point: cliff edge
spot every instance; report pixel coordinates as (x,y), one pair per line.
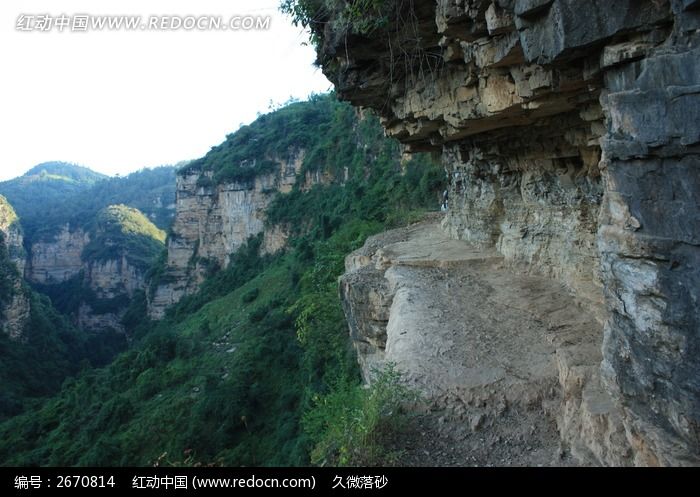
(570,134)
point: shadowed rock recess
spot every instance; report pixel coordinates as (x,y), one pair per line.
(570,135)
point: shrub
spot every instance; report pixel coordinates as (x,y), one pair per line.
(353,426)
(250,296)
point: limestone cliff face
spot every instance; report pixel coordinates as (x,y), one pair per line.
(59,259)
(110,279)
(212,222)
(571,139)
(15,309)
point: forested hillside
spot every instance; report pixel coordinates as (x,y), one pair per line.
(123,244)
(38,347)
(54,194)
(44,345)
(252,369)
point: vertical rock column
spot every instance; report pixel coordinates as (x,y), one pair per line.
(649,241)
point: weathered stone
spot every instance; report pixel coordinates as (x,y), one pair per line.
(14,314)
(498,20)
(58,259)
(571,145)
(213,222)
(471,334)
(115,277)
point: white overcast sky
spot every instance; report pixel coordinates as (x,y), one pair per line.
(117,101)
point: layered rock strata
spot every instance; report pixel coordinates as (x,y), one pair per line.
(212,222)
(59,259)
(15,311)
(489,345)
(570,136)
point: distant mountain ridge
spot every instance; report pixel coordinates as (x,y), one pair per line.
(62,171)
(53,194)
(89,239)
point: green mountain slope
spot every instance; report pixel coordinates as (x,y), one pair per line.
(120,230)
(65,172)
(54,194)
(235,372)
(44,186)
(248,152)
(34,367)
(35,359)
(152,191)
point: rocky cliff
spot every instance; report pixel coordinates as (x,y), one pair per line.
(14,301)
(102,266)
(57,259)
(112,280)
(214,221)
(507,361)
(570,135)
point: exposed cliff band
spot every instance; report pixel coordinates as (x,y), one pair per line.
(213,221)
(103,265)
(570,133)
(14,301)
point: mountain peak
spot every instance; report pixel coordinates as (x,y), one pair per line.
(63,171)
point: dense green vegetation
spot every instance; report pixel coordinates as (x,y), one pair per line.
(353,426)
(358,17)
(251,150)
(74,195)
(48,348)
(152,191)
(47,197)
(35,366)
(62,171)
(250,370)
(120,230)
(37,193)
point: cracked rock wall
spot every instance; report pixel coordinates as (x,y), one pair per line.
(60,259)
(14,313)
(212,222)
(570,133)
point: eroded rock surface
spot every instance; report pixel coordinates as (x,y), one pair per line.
(58,259)
(570,135)
(15,309)
(213,222)
(484,345)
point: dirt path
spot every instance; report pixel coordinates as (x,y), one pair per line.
(507,361)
